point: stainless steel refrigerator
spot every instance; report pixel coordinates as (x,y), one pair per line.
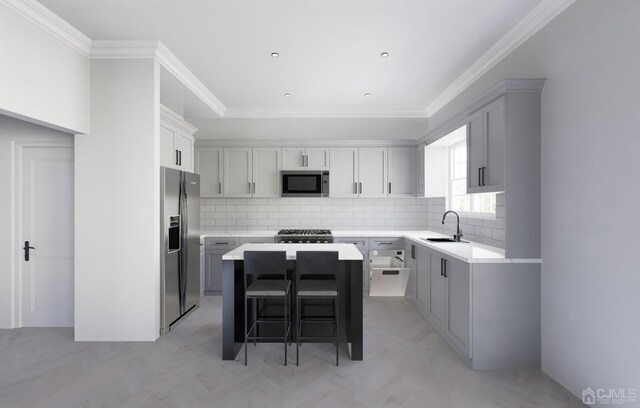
(180,246)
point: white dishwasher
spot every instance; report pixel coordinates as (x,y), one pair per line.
(388,275)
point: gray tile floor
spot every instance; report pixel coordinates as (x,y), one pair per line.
(406,364)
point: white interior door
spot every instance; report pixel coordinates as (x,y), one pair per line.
(46,221)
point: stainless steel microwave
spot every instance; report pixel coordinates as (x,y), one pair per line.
(305,184)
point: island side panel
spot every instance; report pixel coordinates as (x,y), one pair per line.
(354,269)
(232,309)
(506,328)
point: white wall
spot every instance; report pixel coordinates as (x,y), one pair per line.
(42,79)
(590,144)
(13,130)
(118,205)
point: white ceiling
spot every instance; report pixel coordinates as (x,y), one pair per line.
(329,49)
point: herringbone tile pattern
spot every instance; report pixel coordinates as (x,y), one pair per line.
(406,364)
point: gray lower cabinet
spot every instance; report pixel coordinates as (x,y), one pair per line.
(448,303)
(458,321)
(410,249)
(488,313)
(422,276)
(437,291)
(363,246)
(215,247)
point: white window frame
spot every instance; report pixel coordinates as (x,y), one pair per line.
(465,214)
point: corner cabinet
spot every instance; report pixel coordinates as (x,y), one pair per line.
(214,248)
(486,147)
(176,141)
(402,172)
(209,163)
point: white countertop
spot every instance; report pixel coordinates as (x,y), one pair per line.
(346,252)
(470,252)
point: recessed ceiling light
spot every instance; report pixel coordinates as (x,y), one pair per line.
(384,54)
(367,94)
(275,54)
(287,94)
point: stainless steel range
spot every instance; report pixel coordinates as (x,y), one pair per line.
(311,236)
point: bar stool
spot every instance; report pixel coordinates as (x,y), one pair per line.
(316,278)
(273,264)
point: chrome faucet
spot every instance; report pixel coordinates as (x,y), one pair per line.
(458,235)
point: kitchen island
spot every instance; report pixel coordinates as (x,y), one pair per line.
(349,286)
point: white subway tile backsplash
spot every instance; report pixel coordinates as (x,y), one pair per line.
(219,214)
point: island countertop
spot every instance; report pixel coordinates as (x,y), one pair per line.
(346,252)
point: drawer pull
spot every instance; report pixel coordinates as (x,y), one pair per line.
(391,272)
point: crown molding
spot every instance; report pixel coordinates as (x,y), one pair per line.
(537,18)
(507,86)
(415,113)
(203,144)
(172,64)
(168,60)
(47,20)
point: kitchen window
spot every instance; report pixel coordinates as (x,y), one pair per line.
(471,205)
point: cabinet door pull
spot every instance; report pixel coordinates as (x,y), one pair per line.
(220,186)
(413,252)
(355,187)
(176,163)
(479,176)
(389,187)
(445,268)
(441,267)
(180,157)
(484,176)
(254,187)
(360,187)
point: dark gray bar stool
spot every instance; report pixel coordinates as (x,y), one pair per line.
(316,278)
(273,264)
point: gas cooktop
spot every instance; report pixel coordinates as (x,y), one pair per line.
(310,236)
(304,232)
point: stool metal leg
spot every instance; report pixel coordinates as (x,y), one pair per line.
(255,318)
(336,333)
(298,330)
(246,305)
(284,337)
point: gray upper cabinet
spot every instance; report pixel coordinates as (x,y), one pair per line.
(317,158)
(209,163)
(266,171)
(486,148)
(372,171)
(402,172)
(421,150)
(252,172)
(344,172)
(293,158)
(238,172)
(176,141)
(305,158)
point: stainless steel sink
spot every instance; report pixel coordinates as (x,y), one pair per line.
(442,240)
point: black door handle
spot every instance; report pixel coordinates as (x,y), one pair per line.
(445,268)
(26,250)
